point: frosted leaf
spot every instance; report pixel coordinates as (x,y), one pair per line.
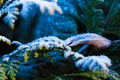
(85,65)
(43,44)
(95,40)
(4,39)
(105,59)
(80,62)
(67,54)
(50,6)
(11,15)
(11,9)
(5,58)
(10,20)
(91,66)
(94,63)
(77,55)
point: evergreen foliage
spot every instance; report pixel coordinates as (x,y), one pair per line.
(94,18)
(33,57)
(91,16)
(9,70)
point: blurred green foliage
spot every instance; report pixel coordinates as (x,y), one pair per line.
(100,16)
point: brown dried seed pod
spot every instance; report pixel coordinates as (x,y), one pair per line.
(97,41)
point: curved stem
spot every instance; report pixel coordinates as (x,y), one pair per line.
(83,48)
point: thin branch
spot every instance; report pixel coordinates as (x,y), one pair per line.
(83,48)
